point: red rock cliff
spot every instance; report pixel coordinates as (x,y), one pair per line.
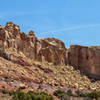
(50,49)
(86,59)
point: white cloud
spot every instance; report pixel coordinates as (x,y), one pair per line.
(72,28)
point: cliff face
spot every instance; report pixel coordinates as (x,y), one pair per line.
(86,59)
(51,50)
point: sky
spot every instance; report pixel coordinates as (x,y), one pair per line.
(75,22)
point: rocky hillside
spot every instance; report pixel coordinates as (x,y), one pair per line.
(86,59)
(26,61)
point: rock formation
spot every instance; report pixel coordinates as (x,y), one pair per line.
(53,50)
(86,59)
(50,49)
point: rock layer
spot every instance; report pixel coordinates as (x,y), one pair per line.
(53,50)
(86,59)
(50,49)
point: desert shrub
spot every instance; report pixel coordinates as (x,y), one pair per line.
(5,91)
(94,94)
(78,93)
(59,93)
(62,94)
(18,95)
(22,96)
(83,95)
(69,92)
(11,93)
(40,96)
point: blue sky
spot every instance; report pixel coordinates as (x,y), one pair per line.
(72,21)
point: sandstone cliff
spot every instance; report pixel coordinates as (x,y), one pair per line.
(86,59)
(14,43)
(50,49)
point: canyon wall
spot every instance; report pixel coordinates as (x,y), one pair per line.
(86,59)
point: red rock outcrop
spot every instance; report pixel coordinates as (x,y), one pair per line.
(50,49)
(86,59)
(53,50)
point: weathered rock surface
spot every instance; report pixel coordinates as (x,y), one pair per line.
(86,59)
(16,45)
(50,49)
(53,50)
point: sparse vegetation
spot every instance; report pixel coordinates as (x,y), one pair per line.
(19,95)
(59,93)
(78,93)
(69,92)
(92,95)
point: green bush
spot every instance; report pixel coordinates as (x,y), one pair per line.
(79,94)
(5,91)
(40,96)
(69,92)
(19,95)
(94,94)
(62,94)
(59,93)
